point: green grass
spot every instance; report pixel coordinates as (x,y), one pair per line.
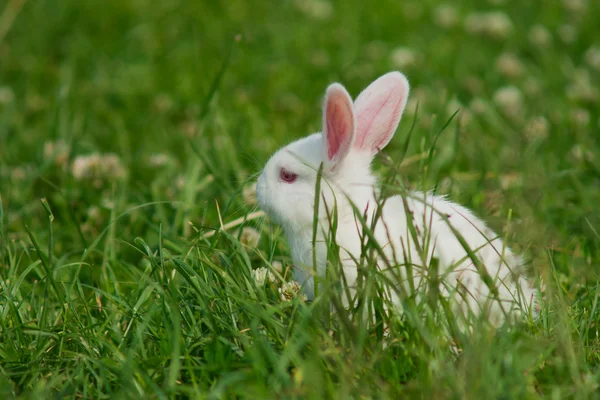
(119,283)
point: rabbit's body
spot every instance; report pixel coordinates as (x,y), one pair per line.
(352,134)
(434,239)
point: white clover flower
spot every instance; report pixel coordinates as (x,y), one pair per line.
(509,65)
(289,290)
(191,128)
(404,57)
(107,203)
(411,105)
(277,266)
(567,33)
(479,106)
(581,88)
(592,57)
(499,25)
(509,99)
(577,152)
(112,167)
(445,16)
(158,160)
(537,128)
(575,6)
(580,154)
(163,102)
(262,275)
(493,201)
(494,24)
(511,180)
(7,95)
(590,385)
(540,36)
(473,84)
(85,166)
(249,237)
(242,95)
(249,194)
(180,182)
(58,152)
(18,174)
(531,86)
(417,97)
(464,116)
(580,116)
(316,9)
(98,167)
(94,213)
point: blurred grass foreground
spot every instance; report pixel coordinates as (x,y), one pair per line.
(134,263)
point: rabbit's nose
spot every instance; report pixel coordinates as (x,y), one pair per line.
(260,188)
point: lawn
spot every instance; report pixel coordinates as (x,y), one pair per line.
(131,133)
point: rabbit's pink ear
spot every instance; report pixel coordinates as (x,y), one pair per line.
(339,125)
(378,110)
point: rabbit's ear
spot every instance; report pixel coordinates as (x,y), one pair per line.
(339,125)
(378,110)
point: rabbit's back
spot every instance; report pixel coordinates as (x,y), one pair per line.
(416,229)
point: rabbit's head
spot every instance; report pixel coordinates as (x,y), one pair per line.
(353,132)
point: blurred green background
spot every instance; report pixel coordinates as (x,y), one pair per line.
(157,112)
(139,79)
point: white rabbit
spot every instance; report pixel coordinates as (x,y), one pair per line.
(352,134)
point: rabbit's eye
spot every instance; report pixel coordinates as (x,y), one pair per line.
(287,176)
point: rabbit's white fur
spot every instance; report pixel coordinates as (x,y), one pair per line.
(352,134)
